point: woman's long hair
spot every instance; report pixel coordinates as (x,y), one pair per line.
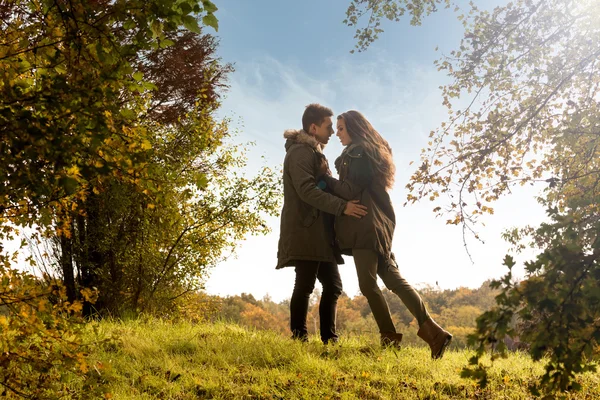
(377,148)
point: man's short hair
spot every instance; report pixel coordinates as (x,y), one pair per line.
(315,114)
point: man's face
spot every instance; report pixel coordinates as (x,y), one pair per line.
(323,132)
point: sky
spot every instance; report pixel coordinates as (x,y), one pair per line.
(288,54)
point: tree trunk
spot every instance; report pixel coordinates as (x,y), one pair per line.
(66,261)
(95,257)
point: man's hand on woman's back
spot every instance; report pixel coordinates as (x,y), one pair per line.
(354,209)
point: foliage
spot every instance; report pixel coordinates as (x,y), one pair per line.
(393,10)
(41,341)
(70,96)
(530,67)
(195,307)
(179,71)
(136,181)
(148,252)
(528,70)
(557,307)
(72,108)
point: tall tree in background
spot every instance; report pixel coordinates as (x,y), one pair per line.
(529,72)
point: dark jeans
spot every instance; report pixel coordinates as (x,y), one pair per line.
(368,265)
(307,272)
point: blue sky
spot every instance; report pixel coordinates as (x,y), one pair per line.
(308,33)
(288,54)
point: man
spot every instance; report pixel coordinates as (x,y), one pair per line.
(304,241)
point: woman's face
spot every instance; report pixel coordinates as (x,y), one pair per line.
(342,133)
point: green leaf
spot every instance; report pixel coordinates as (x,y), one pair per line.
(166,43)
(156,28)
(60,69)
(24,65)
(209,6)
(127,113)
(69,184)
(127,69)
(129,24)
(185,8)
(149,86)
(202,181)
(96,140)
(190,23)
(138,76)
(212,21)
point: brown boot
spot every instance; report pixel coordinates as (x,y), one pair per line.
(391,339)
(436,337)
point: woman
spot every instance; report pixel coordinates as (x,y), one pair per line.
(366,171)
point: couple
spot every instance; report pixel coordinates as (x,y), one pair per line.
(323,217)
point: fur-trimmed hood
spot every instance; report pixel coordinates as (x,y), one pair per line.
(299,136)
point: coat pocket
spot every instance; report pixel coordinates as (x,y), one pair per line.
(310,215)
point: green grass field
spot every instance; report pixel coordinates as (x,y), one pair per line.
(161,360)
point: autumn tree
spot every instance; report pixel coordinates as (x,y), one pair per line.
(259,318)
(179,71)
(145,197)
(528,71)
(70,96)
(79,128)
(144,253)
(263,314)
(349,317)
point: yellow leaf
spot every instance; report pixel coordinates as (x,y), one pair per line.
(146,145)
(42,304)
(73,170)
(77,306)
(83,366)
(87,294)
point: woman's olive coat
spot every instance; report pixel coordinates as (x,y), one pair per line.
(374,231)
(303,234)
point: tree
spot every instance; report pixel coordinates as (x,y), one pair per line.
(70,107)
(257,317)
(144,252)
(529,71)
(349,318)
(179,71)
(69,102)
(145,197)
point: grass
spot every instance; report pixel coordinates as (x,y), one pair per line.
(155,359)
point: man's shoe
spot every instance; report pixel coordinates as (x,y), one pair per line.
(331,341)
(300,338)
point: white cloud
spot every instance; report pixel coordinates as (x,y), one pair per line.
(403,102)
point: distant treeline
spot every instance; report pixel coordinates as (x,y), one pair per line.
(455,309)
